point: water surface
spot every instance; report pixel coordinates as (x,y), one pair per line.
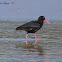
(47,49)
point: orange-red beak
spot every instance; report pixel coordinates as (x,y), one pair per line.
(46,21)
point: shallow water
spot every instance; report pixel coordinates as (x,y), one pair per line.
(47,49)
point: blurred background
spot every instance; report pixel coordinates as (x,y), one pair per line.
(30,9)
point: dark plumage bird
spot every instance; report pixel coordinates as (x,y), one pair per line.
(33,26)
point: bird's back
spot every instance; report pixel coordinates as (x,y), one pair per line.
(30,27)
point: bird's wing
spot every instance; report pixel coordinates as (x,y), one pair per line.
(31,25)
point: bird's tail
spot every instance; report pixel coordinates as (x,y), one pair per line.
(19,28)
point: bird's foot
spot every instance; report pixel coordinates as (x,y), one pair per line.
(37,38)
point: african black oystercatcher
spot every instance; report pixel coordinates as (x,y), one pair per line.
(33,26)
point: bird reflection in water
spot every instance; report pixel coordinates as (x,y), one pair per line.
(31,47)
(34,48)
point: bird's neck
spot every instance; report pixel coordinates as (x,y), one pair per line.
(41,22)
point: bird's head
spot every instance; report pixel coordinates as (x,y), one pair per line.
(43,18)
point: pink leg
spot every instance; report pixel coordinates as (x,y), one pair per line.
(36,39)
(26,39)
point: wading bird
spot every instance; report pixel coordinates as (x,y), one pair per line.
(32,27)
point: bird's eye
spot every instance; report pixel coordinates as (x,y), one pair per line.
(43,17)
